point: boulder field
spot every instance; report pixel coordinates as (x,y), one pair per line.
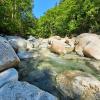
(54,68)
(86,44)
(10,87)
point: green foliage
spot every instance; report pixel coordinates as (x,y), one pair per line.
(70,17)
(16,16)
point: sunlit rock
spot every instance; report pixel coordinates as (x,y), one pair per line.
(16,90)
(87,44)
(78,85)
(8,57)
(8,75)
(57,46)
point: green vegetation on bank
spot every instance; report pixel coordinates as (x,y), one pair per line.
(16,16)
(68,18)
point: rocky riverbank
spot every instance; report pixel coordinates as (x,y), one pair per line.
(55,68)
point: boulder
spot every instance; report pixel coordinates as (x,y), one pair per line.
(8,75)
(31,39)
(16,90)
(8,57)
(23,47)
(84,42)
(78,85)
(92,50)
(70,44)
(57,46)
(44,44)
(63,45)
(20,44)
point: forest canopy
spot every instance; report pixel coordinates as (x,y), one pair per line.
(16,16)
(67,18)
(70,17)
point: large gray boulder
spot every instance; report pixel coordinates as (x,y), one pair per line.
(8,75)
(16,90)
(78,85)
(87,44)
(8,57)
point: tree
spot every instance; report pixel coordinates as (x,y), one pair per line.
(16,16)
(70,17)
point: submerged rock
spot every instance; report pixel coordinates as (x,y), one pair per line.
(78,85)
(27,55)
(8,57)
(94,65)
(23,91)
(21,44)
(92,50)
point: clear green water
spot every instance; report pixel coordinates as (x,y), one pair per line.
(45,69)
(59,65)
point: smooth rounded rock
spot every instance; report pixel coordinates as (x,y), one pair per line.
(23,91)
(92,50)
(8,75)
(78,85)
(85,42)
(57,46)
(8,57)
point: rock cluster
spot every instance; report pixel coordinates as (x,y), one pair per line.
(61,45)
(11,52)
(16,52)
(78,85)
(86,44)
